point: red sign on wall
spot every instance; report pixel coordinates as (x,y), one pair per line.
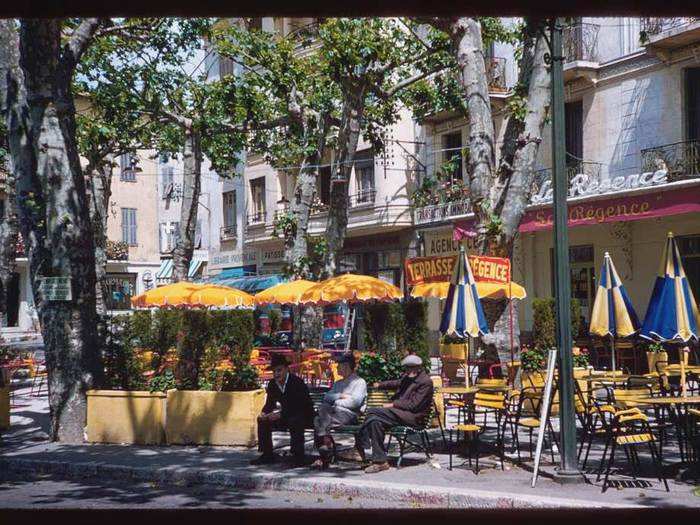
(436,269)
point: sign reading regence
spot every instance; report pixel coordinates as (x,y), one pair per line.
(436,269)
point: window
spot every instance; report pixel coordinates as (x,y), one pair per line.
(452,151)
(573,122)
(226,66)
(364,176)
(120,287)
(229,208)
(583,283)
(689,248)
(257,193)
(324,184)
(198,235)
(129,226)
(127,165)
(692,101)
(167,181)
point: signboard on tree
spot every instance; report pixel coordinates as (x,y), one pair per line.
(55,288)
(436,269)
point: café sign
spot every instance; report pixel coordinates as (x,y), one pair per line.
(233,258)
(436,269)
(582,185)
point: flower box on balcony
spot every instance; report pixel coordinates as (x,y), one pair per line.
(117,250)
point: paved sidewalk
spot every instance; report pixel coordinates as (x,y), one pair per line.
(25,449)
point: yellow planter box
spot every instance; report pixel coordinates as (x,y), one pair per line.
(213,418)
(456,350)
(118,416)
(5,407)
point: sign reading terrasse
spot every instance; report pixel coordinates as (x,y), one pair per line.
(436,269)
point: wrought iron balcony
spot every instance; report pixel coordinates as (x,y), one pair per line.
(588,168)
(441,212)
(228,233)
(681,159)
(363,198)
(580,42)
(254,218)
(651,26)
(496,74)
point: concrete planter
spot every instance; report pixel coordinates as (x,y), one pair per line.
(454,350)
(5,407)
(655,357)
(118,416)
(213,418)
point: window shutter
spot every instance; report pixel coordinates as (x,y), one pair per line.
(692,89)
(125,225)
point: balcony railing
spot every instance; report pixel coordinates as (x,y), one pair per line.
(653,26)
(591,169)
(363,198)
(257,217)
(580,42)
(681,159)
(228,233)
(496,73)
(441,212)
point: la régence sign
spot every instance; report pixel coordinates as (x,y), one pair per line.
(583,185)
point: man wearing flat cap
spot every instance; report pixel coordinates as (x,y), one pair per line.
(288,407)
(342,405)
(410,406)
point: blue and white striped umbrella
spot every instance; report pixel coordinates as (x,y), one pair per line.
(613,314)
(463,315)
(672,314)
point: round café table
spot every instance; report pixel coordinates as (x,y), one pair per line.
(683,426)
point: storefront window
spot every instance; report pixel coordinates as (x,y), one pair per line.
(582,268)
(689,248)
(120,287)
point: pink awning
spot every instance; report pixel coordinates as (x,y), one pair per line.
(618,209)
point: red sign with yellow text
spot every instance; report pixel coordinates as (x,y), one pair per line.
(436,269)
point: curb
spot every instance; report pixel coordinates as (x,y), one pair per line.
(396,492)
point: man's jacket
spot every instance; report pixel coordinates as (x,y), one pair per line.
(412,399)
(295,400)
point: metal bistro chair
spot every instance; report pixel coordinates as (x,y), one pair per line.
(630,428)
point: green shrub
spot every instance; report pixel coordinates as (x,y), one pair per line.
(191,342)
(122,368)
(243,378)
(533,359)
(414,337)
(544,321)
(384,327)
(374,367)
(162,382)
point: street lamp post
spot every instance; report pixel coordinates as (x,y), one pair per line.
(568,469)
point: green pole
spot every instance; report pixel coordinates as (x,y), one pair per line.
(568,469)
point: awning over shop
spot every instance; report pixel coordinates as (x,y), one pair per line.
(618,209)
(250,284)
(165,272)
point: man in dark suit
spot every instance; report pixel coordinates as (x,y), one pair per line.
(410,406)
(288,407)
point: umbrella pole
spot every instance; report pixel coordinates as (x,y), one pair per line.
(612,344)
(684,393)
(466,361)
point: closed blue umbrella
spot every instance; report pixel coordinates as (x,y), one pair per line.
(613,314)
(672,314)
(463,315)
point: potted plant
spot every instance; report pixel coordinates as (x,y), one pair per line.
(655,354)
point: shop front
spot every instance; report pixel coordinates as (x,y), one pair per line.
(631,225)
(380,256)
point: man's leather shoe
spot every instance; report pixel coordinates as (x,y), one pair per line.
(263,460)
(377,467)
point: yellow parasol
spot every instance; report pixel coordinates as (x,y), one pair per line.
(283,293)
(351,288)
(484,289)
(192,295)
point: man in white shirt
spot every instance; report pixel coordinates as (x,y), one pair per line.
(342,405)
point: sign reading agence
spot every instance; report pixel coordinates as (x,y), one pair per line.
(436,269)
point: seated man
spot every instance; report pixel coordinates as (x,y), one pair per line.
(342,405)
(410,406)
(288,407)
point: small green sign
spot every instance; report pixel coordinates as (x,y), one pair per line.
(55,288)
